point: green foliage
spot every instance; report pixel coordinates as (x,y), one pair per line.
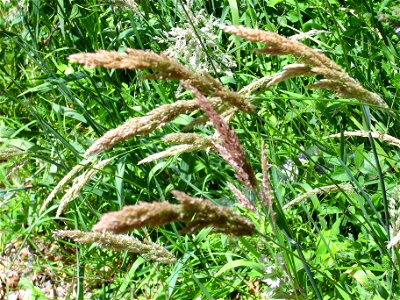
(331,246)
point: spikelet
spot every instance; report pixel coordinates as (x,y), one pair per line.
(256,85)
(208,214)
(289,71)
(306,35)
(9,153)
(118,242)
(279,45)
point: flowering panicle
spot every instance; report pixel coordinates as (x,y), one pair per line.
(61,184)
(119,242)
(266,193)
(229,148)
(289,71)
(190,142)
(314,62)
(197,213)
(376,135)
(78,183)
(343,187)
(164,68)
(129,4)
(156,118)
(204,213)
(242,199)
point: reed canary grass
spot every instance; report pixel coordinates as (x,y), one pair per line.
(376,135)
(334,76)
(266,193)
(241,198)
(190,142)
(164,68)
(118,242)
(156,118)
(62,183)
(196,213)
(343,187)
(229,148)
(78,183)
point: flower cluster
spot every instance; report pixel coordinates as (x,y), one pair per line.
(191,42)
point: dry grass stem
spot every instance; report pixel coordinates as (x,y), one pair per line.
(61,184)
(229,148)
(78,183)
(242,199)
(376,135)
(343,187)
(118,242)
(195,212)
(334,76)
(164,68)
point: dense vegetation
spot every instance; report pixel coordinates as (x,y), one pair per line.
(322,206)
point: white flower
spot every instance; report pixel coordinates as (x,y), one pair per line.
(272,283)
(187,46)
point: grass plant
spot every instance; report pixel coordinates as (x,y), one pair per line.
(276,188)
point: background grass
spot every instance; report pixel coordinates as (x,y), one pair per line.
(334,246)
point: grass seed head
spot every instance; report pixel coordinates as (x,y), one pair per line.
(117,242)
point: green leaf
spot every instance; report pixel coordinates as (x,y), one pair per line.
(68,112)
(241,263)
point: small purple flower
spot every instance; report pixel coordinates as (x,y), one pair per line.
(397,31)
